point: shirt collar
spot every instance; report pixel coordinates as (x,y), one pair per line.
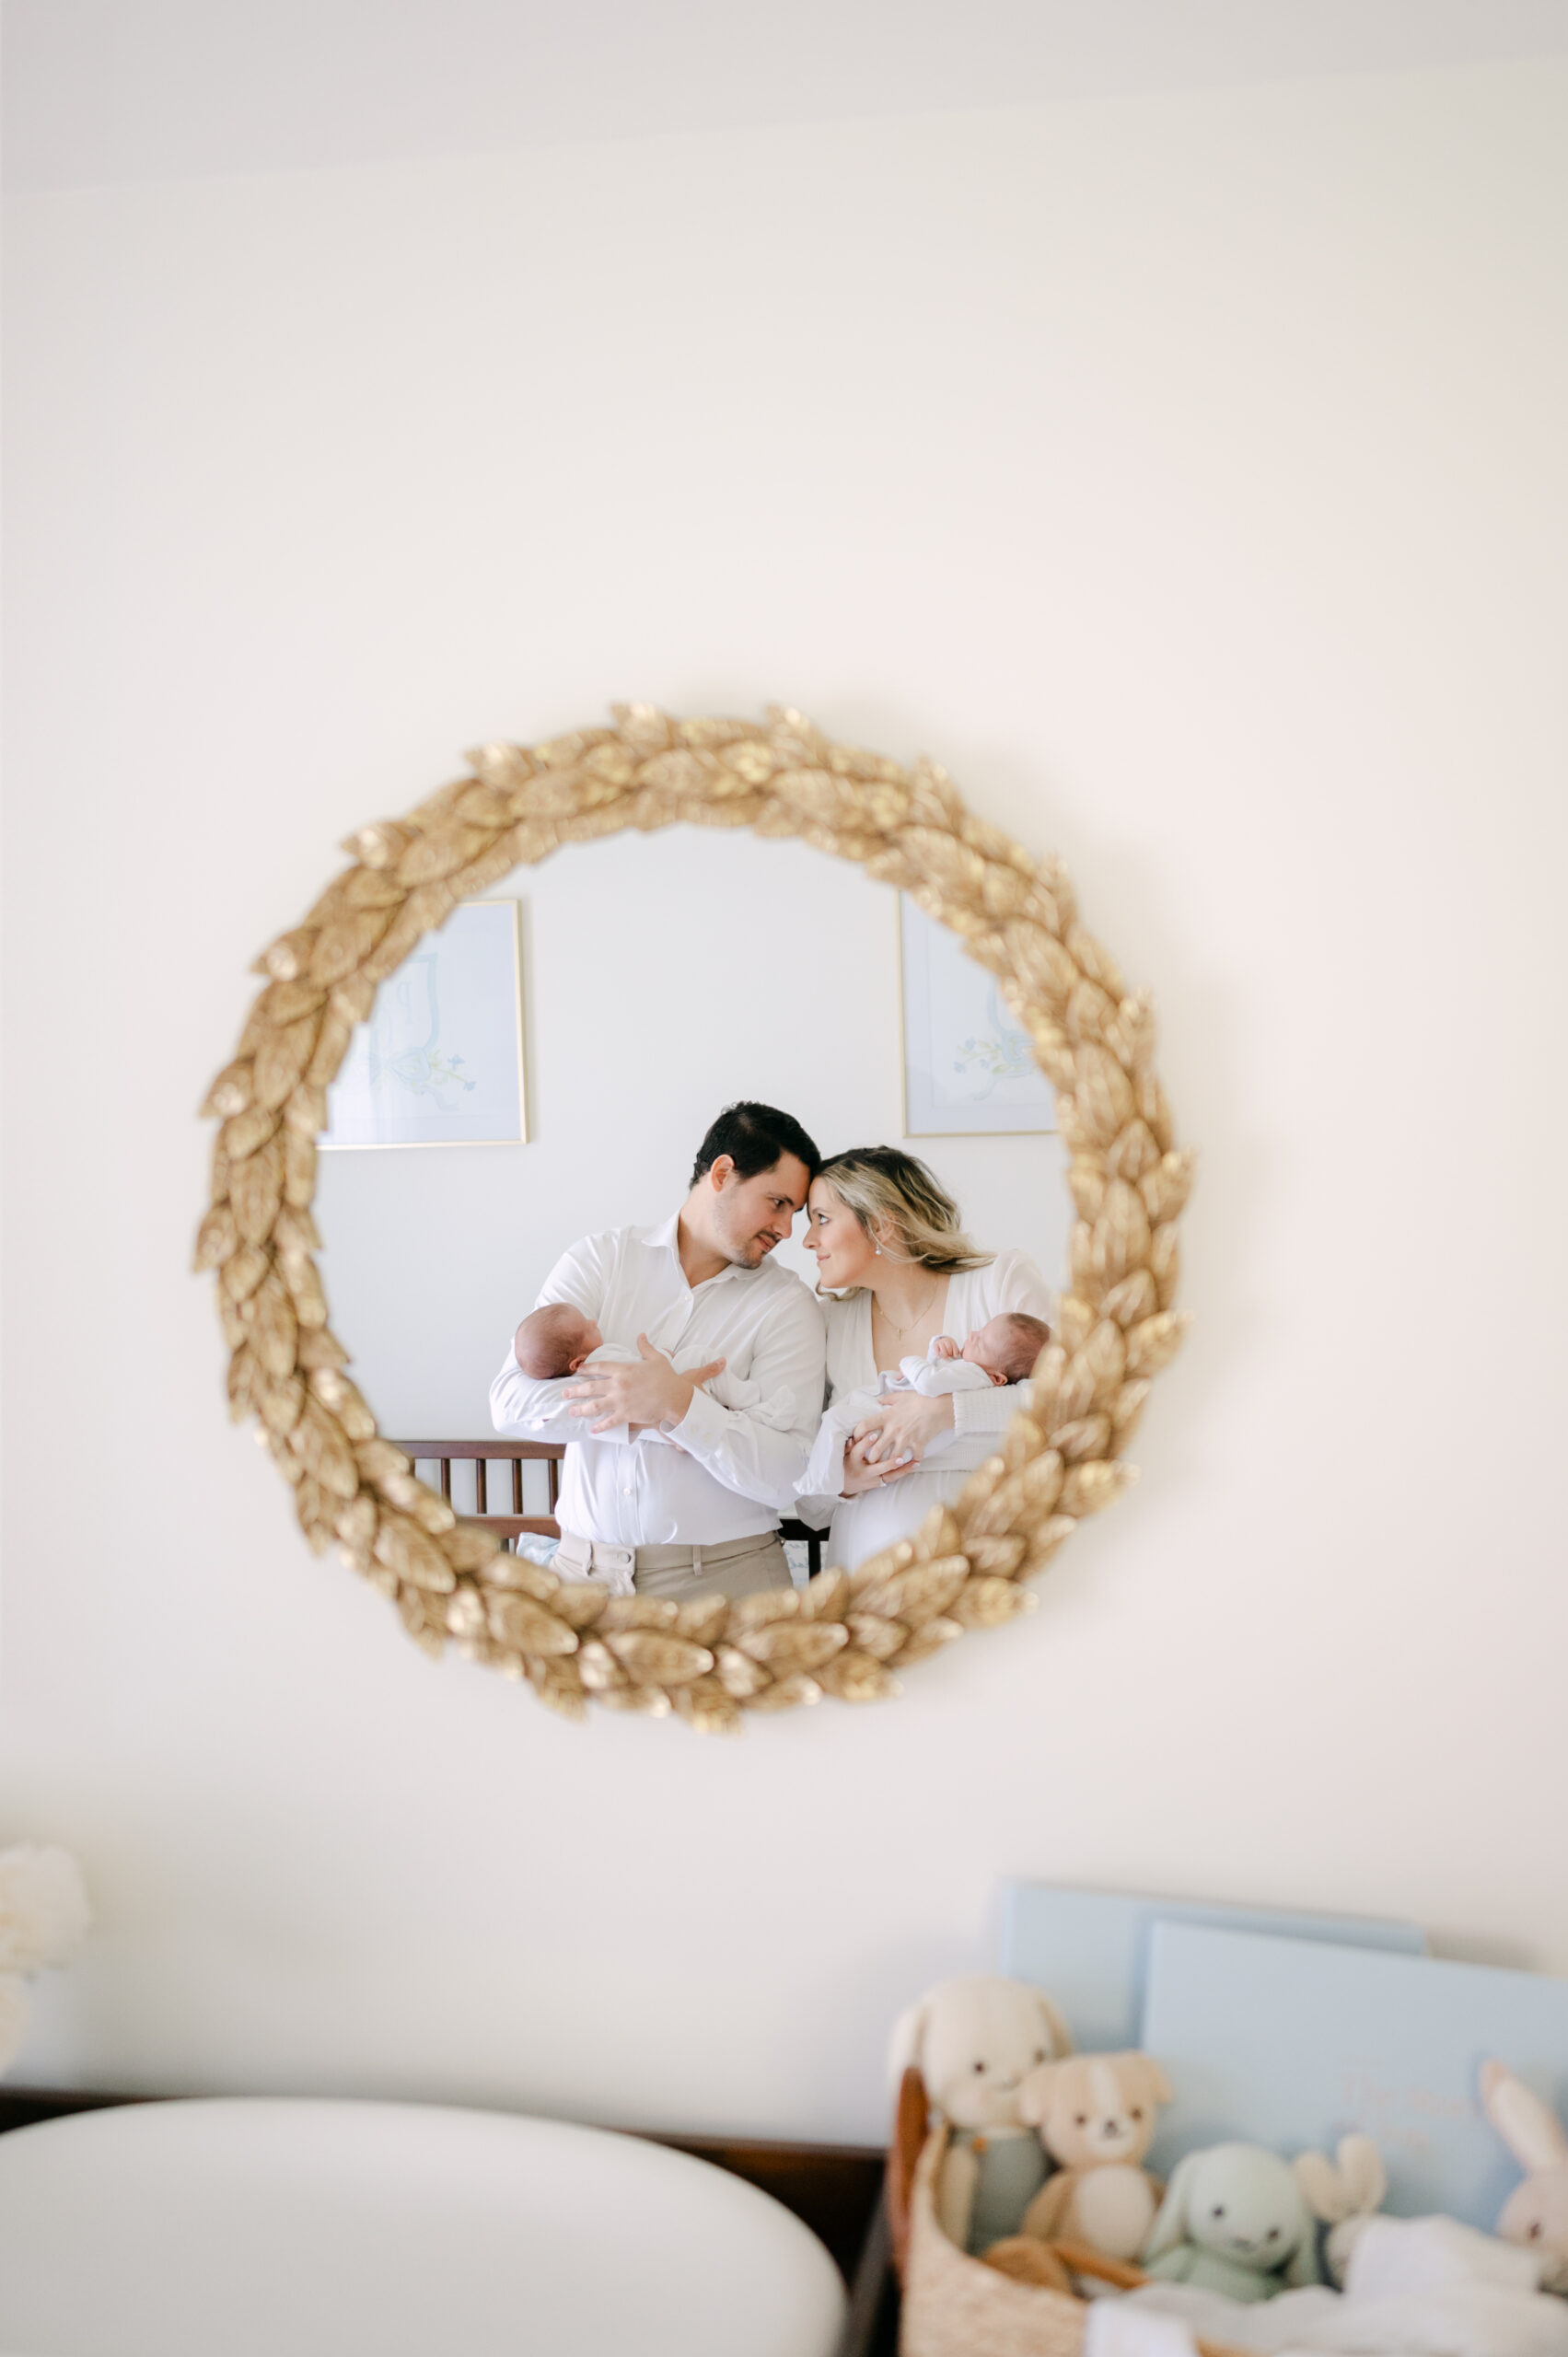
(666,1233)
(667,1238)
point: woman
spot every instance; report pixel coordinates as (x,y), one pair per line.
(898,1270)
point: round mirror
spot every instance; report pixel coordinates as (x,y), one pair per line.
(505,1090)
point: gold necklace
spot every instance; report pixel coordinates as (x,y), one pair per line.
(901,1331)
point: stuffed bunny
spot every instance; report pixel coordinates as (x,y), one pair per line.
(1234,2220)
(1344,2192)
(1536,2214)
(973,2041)
(1096,2116)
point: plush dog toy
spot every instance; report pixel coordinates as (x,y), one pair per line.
(1344,2193)
(1234,2220)
(1096,2116)
(974,2042)
(1536,2214)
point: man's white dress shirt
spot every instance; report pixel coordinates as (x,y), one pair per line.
(731,1472)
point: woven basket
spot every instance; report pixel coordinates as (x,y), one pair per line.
(957,2306)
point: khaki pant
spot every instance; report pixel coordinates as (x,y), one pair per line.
(731,1567)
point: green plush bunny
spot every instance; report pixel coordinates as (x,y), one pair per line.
(1234,2220)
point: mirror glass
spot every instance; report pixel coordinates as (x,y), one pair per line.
(662,976)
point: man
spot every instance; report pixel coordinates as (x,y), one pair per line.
(664,1492)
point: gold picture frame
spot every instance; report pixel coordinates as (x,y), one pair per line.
(710,1661)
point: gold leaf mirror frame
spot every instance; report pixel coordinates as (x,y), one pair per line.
(848,1632)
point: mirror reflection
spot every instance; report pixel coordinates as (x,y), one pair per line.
(738,1243)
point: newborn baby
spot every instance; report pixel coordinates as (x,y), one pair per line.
(1002,1351)
(556,1341)
(559,1340)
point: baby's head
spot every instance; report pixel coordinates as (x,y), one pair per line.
(555,1341)
(1008,1347)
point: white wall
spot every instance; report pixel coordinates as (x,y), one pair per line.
(1189,475)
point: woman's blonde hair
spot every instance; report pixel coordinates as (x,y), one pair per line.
(887,1188)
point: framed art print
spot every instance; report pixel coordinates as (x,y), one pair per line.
(968,1067)
(440,1061)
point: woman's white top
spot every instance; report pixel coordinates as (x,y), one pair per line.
(862,1525)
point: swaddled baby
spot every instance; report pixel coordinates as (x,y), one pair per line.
(561,1340)
(1002,1351)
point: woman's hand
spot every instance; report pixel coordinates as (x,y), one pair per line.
(904,1425)
(859,1474)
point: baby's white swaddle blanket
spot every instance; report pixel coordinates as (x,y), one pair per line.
(1415,2287)
(933,1378)
(730,1390)
(937,1378)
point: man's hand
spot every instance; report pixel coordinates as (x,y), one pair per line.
(860,1475)
(904,1425)
(944,1347)
(648,1393)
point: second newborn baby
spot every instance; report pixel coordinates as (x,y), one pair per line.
(1000,1351)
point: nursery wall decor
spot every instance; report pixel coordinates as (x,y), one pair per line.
(440,1063)
(853,1628)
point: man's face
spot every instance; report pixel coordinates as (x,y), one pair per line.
(751,1215)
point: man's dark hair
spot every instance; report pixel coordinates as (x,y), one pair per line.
(754,1137)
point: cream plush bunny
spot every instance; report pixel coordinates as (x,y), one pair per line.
(1096,2114)
(974,2040)
(1344,2192)
(1234,2220)
(1536,2214)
